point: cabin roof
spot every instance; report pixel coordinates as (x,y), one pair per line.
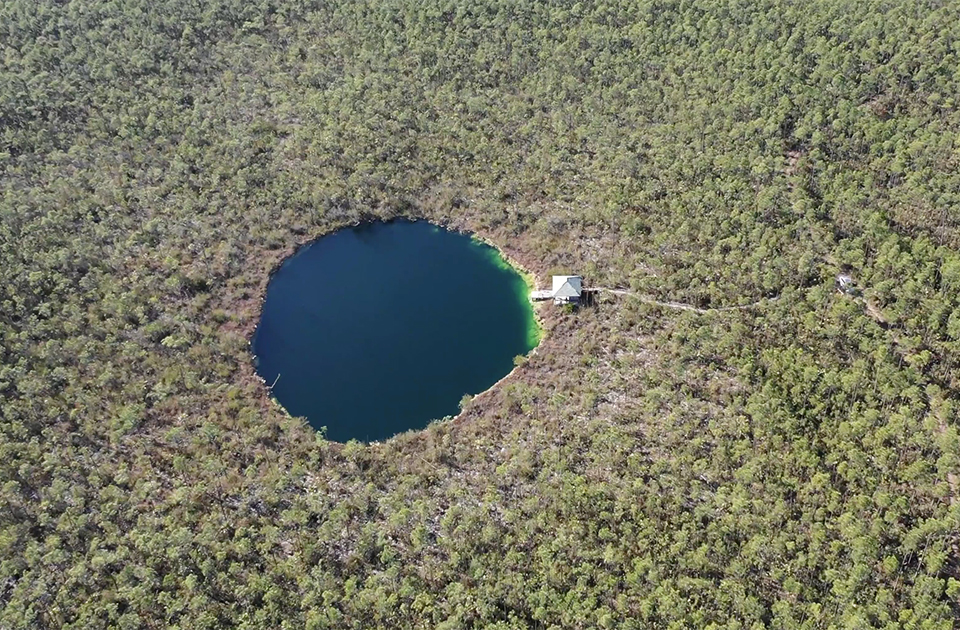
(567,286)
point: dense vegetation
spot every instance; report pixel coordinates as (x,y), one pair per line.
(792,465)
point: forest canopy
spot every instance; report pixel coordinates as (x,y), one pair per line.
(792,464)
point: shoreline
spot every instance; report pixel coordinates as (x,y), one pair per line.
(529,279)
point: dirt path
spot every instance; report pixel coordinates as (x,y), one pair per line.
(874,313)
(680,306)
(869,308)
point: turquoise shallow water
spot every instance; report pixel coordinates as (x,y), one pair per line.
(379,329)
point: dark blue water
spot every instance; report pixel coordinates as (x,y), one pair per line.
(380,329)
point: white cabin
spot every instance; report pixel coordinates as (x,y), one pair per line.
(567,289)
(846,284)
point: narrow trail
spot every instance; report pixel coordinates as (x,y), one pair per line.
(872,311)
(680,306)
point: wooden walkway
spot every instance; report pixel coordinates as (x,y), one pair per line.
(680,306)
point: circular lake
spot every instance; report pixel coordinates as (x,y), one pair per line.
(379,329)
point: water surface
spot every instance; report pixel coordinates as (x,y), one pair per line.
(379,329)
